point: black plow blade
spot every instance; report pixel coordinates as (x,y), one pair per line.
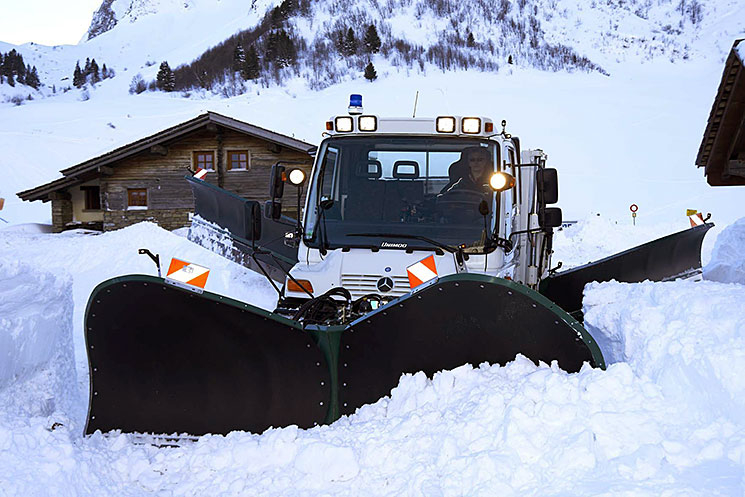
(462,319)
(167,360)
(667,258)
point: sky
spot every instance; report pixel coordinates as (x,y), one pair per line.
(48,22)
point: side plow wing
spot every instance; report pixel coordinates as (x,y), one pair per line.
(166,360)
(667,258)
(229,231)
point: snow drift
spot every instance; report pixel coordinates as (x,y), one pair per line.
(37,364)
(728,259)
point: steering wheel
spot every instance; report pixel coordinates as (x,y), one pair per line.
(461,205)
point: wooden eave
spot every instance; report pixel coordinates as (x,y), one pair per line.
(724,137)
(90,169)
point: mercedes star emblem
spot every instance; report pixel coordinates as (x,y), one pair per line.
(385,284)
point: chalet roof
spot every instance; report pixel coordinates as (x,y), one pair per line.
(90,168)
(722,150)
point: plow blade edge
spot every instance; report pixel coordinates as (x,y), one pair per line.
(167,360)
(670,257)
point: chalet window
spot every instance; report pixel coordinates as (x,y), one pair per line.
(237,160)
(92,195)
(137,198)
(204,160)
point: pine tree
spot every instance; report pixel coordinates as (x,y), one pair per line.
(470,41)
(32,77)
(165,80)
(350,43)
(286,51)
(104,72)
(370,73)
(239,58)
(95,76)
(87,68)
(372,40)
(11,81)
(251,68)
(78,79)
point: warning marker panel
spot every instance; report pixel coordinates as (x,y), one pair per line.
(187,275)
(422,272)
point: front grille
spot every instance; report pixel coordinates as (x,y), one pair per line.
(362,284)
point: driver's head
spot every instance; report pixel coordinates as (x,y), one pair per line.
(478,160)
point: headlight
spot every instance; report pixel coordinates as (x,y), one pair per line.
(501,181)
(445,124)
(471,125)
(296,177)
(368,123)
(344,124)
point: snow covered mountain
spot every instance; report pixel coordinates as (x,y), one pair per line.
(663,57)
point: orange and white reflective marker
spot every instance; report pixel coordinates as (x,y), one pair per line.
(185,273)
(696,219)
(201,173)
(422,272)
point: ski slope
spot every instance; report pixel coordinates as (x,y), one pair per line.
(665,418)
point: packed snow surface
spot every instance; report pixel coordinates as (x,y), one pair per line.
(665,418)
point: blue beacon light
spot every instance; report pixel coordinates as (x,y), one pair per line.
(355,104)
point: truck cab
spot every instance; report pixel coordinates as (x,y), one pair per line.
(385,193)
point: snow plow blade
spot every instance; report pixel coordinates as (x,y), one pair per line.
(166,360)
(227,231)
(667,258)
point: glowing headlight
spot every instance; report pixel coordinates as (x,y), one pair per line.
(296,177)
(343,124)
(471,125)
(368,123)
(445,124)
(501,181)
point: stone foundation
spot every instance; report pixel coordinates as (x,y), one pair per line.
(61,214)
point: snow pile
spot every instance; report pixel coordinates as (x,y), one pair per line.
(687,337)
(520,429)
(727,263)
(596,237)
(37,365)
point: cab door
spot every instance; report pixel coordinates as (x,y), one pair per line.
(508,207)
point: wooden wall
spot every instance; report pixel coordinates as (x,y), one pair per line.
(161,171)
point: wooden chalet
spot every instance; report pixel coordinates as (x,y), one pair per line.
(144,180)
(722,150)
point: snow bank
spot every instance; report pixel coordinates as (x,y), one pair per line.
(37,365)
(688,337)
(727,263)
(515,430)
(595,237)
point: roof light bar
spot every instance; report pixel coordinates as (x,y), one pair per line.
(445,124)
(471,125)
(367,123)
(344,124)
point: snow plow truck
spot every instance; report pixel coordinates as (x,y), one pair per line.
(423,244)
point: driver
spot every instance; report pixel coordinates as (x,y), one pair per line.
(476,178)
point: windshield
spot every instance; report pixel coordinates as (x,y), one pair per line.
(426,187)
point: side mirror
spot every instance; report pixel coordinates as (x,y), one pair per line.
(549,217)
(252,220)
(277,182)
(273,210)
(547,182)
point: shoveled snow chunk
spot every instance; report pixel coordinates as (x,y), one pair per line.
(727,263)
